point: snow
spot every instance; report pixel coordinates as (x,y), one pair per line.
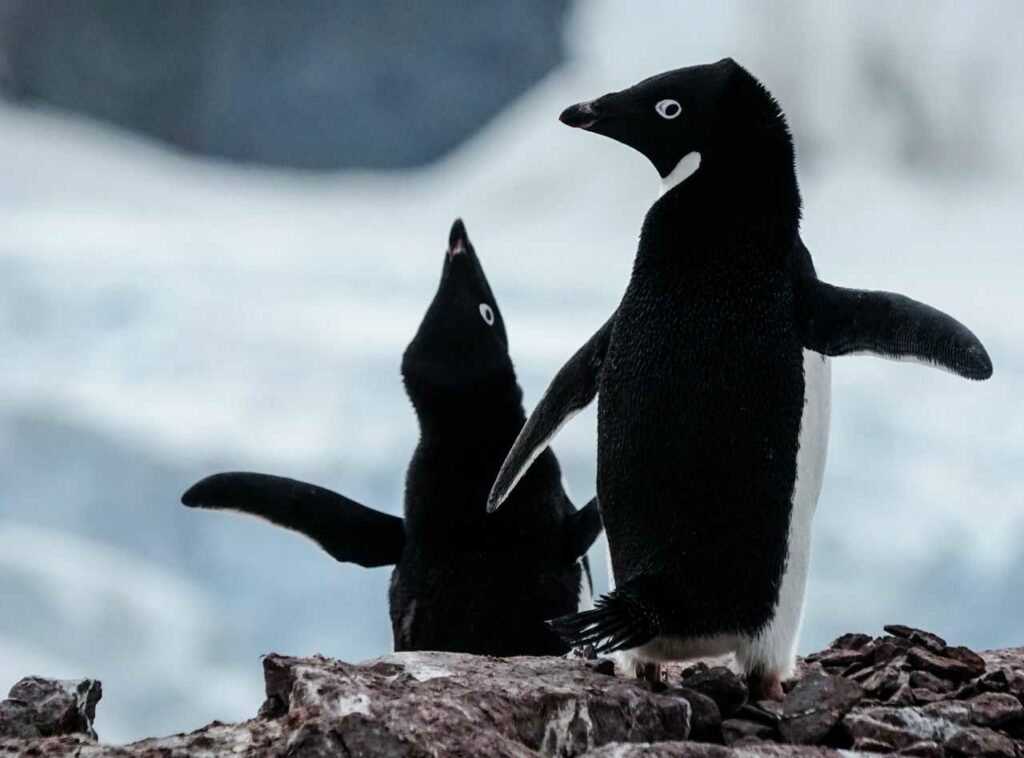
(163,317)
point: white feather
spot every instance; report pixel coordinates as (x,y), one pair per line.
(688,164)
(773,650)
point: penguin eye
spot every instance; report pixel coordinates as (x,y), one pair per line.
(668,109)
(487,314)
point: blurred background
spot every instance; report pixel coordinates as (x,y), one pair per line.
(221,221)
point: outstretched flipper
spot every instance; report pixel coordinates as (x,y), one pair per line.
(625,618)
(838,321)
(581,529)
(573,389)
(350,532)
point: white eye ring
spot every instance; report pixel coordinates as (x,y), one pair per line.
(487,314)
(669,109)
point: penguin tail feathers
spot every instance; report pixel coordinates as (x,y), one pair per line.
(625,618)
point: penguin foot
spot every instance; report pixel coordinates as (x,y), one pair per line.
(765,687)
(649,672)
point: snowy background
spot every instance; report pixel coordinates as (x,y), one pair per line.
(164,316)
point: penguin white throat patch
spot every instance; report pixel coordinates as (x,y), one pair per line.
(688,164)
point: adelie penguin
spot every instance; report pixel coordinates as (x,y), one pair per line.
(463,581)
(713,377)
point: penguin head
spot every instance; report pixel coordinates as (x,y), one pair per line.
(461,342)
(711,110)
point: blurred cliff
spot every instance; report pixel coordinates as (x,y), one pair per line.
(303,83)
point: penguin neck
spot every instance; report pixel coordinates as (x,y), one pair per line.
(751,186)
(469,418)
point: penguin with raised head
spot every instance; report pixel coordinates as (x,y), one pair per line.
(463,581)
(713,378)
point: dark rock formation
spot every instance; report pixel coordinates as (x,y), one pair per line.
(38,707)
(384,84)
(925,699)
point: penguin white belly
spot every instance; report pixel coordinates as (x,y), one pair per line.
(773,649)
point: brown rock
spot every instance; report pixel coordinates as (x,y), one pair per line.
(851,642)
(814,707)
(899,728)
(979,741)
(705,717)
(924,750)
(838,658)
(922,680)
(736,730)
(944,666)
(884,681)
(40,707)
(995,709)
(721,685)
(918,637)
(974,662)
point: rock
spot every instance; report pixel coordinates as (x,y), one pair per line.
(884,680)
(39,707)
(698,750)
(815,706)
(705,717)
(995,709)
(975,663)
(979,741)
(721,685)
(851,642)
(899,728)
(924,750)
(420,704)
(932,642)
(839,658)
(736,730)
(957,669)
(922,680)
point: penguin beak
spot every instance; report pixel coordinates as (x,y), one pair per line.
(458,240)
(582,115)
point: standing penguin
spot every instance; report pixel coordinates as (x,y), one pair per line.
(714,382)
(463,581)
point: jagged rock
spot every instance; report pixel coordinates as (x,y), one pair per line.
(851,641)
(721,685)
(979,741)
(995,709)
(946,666)
(814,707)
(39,707)
(705,717)
(420,704)
(919,637)
(742,730)
(699,750)
(895,729)
(922,680)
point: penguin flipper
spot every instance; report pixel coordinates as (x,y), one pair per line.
(839,321)
(581,529)
(573,389)
(625,618)
(348,531)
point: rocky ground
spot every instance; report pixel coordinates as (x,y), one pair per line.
(907,692)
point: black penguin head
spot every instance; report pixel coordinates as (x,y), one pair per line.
(461,342)
(711,109)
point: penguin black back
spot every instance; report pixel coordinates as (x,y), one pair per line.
(462,582)
(467,581)
(714,381)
